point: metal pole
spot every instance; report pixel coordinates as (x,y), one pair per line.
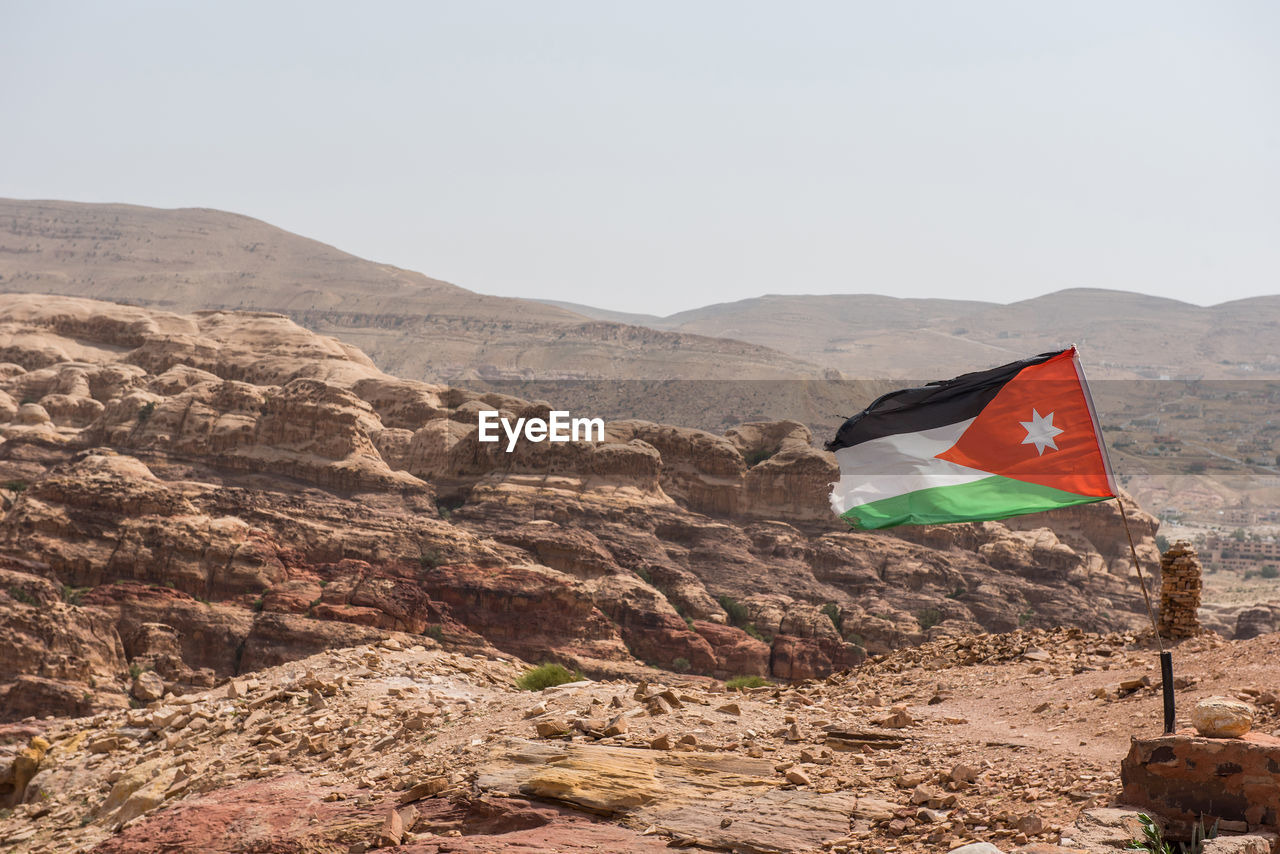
(1166,684)
(1166,658)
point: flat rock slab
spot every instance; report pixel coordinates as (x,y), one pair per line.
(517,826)
(858,739)
(1103,829)
(685,795)
(1184,776)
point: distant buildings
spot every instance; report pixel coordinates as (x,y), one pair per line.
(1241,555)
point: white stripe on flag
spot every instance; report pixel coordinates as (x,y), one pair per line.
(895,465)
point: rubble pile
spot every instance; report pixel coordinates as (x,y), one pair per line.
(1061,645)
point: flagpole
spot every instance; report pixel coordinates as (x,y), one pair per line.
(1166,657)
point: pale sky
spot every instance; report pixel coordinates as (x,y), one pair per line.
(658,156)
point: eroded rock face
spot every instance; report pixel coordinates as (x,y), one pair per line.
(226,491)
(58,658)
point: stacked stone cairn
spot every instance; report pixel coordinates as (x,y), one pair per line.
(1179,591)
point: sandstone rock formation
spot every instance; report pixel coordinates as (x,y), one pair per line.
(210,494)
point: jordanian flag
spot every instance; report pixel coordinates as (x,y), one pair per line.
(1016,439)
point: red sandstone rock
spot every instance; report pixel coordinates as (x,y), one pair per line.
(737,653)
(1184,776)
(810,658)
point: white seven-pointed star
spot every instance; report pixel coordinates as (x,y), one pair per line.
(1040,432)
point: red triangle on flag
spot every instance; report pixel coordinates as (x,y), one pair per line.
(1039,429)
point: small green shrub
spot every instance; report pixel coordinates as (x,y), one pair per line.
(1269,571)
(928,618)
(73,595)
(739,616)
(738,613)
(958,592)
(15,485)
(135,670)
(832,610)
(22,596)
(435,632)
(644,574)
(681,665)
(1026,617)
(148,409)
(546,675)
(430,559)
(737,683)
(756,457)
(258,603)
(1153,840)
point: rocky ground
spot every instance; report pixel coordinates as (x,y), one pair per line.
(1008,738)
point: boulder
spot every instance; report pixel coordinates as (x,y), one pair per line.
(1252,622)
(1221,717)
(147,686)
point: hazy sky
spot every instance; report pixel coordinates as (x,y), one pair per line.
(656,156)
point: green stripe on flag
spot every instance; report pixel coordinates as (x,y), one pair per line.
(992,497)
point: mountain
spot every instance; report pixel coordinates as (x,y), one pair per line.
(416,326)
(194,258)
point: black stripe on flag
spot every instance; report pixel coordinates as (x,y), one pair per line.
(937,404)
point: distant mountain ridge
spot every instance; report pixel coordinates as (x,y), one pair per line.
(1122,334)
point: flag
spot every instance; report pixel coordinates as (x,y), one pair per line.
(1020,438)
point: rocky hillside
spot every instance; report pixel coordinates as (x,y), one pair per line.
(192,498)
